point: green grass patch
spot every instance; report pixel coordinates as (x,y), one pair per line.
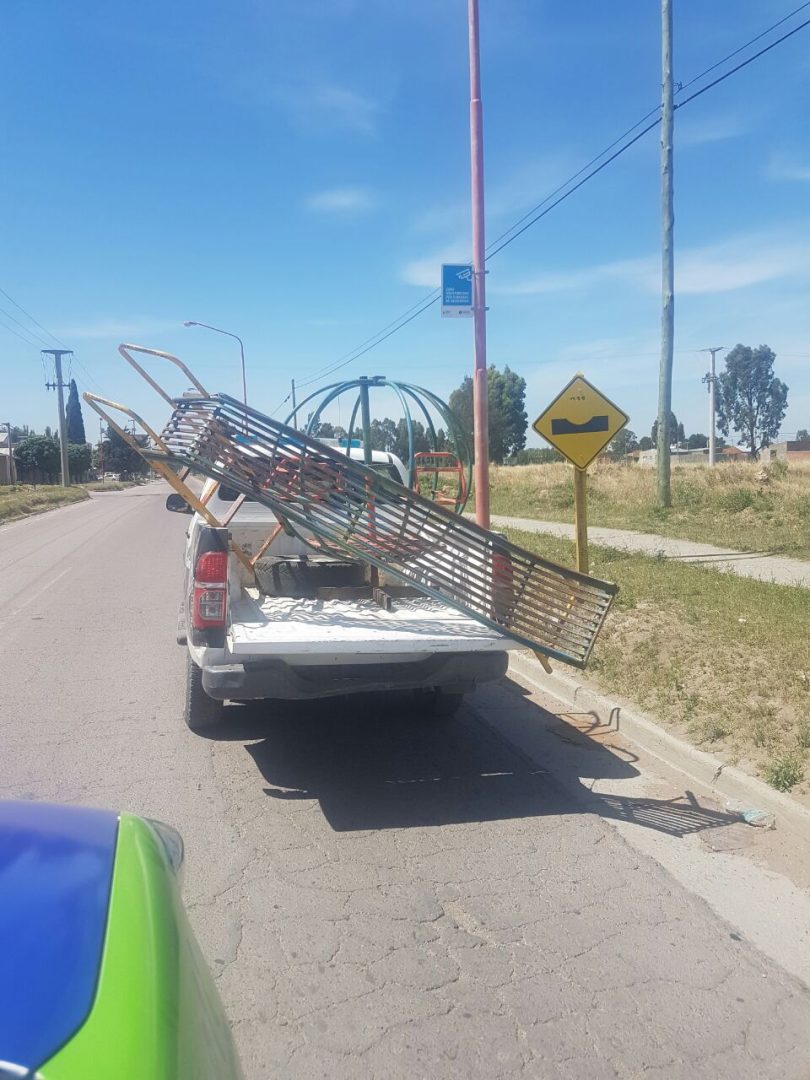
(21,500)
(721,659)
(748,507)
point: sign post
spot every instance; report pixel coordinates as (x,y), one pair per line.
(580,422)
(457,290)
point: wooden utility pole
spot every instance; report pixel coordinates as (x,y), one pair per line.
(667,260)
(57,355)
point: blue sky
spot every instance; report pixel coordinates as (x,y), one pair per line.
(297,171)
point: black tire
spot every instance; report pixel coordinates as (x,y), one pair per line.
(201,712)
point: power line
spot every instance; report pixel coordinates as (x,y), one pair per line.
(331,366)
(11,330)
(8,315)
(745,63)
(742,48)
(495,247)
(28,315)
(44,329)
(652,112)
(643,132)
(348,359)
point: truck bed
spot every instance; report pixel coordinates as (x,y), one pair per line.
(280,626)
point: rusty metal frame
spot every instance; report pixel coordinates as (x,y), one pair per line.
(178,483)
(176,479)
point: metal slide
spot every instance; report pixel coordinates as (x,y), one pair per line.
(340,506)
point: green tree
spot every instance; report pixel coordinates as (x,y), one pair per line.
(120,457)
(506,392)
(750,399)
(645,443)
(697,442)
(80,457)
(324,430)
(802,434)
(675,430)
(383,435)
(625,442)
(39,453)
(73,417)
(421,443)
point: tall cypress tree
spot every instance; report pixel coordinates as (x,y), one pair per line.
(73,416)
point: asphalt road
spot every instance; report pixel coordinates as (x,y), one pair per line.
(376,894)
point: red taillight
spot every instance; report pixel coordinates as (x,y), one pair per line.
(212,568)
(210,597)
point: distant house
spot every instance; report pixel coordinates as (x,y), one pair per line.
(734,453)
(792,450)
(647,458)
(6,462)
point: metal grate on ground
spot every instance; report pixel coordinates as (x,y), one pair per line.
(338,505)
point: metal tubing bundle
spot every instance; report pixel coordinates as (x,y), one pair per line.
(337,504)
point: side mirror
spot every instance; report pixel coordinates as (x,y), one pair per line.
(177,504)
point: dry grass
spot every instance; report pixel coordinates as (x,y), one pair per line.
(743,506)
(110,485)
(23,499)
(723,660)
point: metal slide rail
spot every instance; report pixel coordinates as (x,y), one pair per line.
(341,506)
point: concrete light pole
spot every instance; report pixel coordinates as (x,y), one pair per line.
(57,355)
(711,378)
(12,468)
(480,390)
(227,333)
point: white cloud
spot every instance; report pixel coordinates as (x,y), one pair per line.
(426,272)
(782,168)
(733,264)
(346,200)
(517,191)
(698,131)
(118,329)
(638,272)
(326,105)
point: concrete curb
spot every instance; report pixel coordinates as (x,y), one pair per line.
(725,781)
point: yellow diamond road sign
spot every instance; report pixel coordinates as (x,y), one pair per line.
(580,422)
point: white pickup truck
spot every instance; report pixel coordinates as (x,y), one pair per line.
(302,625)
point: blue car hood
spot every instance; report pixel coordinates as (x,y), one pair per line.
(56,865)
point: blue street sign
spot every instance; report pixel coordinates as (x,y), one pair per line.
(457,289)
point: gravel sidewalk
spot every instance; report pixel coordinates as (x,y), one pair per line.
(771,568)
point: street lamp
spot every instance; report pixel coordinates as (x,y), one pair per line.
(227,333)
(711,379)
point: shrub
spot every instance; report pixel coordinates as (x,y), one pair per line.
(784,772)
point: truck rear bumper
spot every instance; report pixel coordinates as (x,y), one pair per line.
(454,672)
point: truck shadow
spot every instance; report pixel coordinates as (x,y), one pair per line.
(378,762)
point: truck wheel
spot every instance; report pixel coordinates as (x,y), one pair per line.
(446,704)
(201,712)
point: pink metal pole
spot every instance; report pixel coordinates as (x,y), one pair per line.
(480,402)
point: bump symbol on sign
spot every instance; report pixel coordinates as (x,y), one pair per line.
(568,427)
